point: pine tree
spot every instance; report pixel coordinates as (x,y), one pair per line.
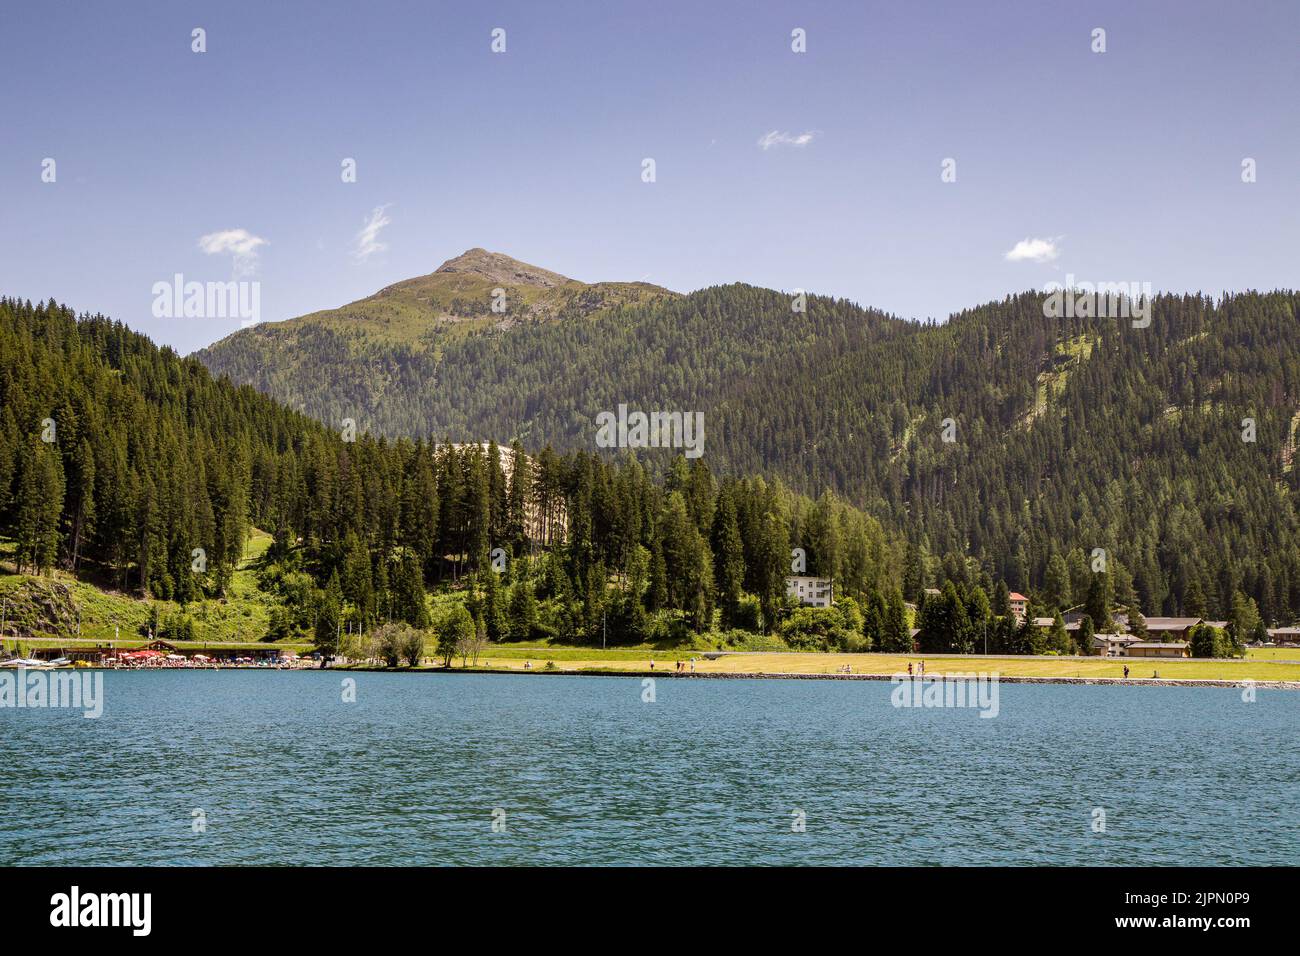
(1087,630)
(409,601)
(1137,625)
(1057,586)
(729,558)
(1098,604)
(523,612)
(39,496)
(329,615)
(495,621)
(896,638)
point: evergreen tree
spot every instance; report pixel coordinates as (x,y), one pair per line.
(1087,630)
(1098,604)
(729,558)
(523,612)
(896,638)
(409,602)
(329,615)
(39,496)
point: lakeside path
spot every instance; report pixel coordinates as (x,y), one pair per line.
(1030,670)
(767,675)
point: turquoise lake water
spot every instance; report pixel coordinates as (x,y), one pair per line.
(579,770)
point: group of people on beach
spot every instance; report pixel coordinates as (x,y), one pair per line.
(920,669)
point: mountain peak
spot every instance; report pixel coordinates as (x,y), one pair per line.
(498,267)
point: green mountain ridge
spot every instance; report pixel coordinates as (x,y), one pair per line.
(459,297)
(1069,434)
(140,495)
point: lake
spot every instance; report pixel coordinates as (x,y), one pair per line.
(275,768)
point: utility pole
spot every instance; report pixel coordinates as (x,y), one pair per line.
(602,630)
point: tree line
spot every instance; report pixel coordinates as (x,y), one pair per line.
(1023,440)
(134,467)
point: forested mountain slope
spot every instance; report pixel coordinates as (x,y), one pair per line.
(1068,434)
(137,470)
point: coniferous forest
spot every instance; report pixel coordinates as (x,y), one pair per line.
(1168,447)
(1000,451)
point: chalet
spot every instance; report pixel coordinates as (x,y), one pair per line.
(1113,645)
(1072,625)
(1158,649)
(1074,620)
(815,592)
(1284,635)
(1171,629)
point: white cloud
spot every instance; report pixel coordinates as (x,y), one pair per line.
(367,243)
(241,244)
(1033,250)
(777,138)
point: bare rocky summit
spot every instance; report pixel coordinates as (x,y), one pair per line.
(502,269)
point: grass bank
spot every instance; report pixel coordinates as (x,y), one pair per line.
(637,660)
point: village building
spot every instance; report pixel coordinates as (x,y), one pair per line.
(1019,605)
(812,591)
(1112,645)
(1158,649)
(1284,636)
(1171,629)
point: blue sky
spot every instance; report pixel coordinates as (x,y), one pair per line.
(1127,162)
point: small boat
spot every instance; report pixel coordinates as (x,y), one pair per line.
(24,662)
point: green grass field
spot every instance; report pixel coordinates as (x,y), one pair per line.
(512,657)
(1273,654)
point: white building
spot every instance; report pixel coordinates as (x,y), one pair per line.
(816,592)
(1112,645)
